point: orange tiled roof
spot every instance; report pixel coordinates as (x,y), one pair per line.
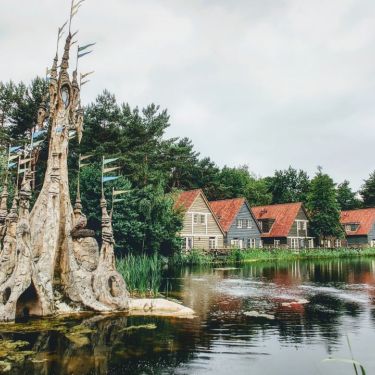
(364,217)
(283,214)
(226,211)
(186,198)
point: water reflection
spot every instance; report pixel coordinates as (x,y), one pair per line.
(227,336)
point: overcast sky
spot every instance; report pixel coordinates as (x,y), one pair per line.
(268,83)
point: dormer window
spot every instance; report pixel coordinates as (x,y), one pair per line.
(351,227)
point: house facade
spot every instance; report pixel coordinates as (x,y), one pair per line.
(359,227)
(201,229)
(238,222)
(284,226)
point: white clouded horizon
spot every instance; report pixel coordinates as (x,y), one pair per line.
(268,83)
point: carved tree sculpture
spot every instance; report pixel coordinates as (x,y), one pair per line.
(49,262)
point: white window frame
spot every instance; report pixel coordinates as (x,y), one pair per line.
(195,218)
(239,223)
(252,243)
(186,243)
(372,243)
(294,243)
(210,243)
(311,243)
(337,243)
(204,217)
(276,243)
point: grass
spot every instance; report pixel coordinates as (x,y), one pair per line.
(142,274)
(196,257)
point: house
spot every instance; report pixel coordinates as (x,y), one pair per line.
(238,222)
(201,229)
(284,225)
(359,226)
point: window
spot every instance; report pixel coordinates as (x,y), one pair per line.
(372,243)
(203,219)
(266,225)
(351,227)
(188,243)
(301,224)
(239,223)
(294,243)
(249,226)
(251,243)
(195,218)
(337,243)
(276,243)
(243,223)
(212,243)
(311,243)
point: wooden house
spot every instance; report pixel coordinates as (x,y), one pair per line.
(238,222)
(284,225)
(359,226)
(201,229)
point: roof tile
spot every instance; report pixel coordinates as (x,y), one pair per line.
(364,217)
(226,211)
(283,214)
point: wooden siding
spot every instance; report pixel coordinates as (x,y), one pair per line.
(299,233)
(201,233)
(243,233)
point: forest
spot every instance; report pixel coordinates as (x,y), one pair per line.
(153,168)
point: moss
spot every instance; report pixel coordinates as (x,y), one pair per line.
(11,352)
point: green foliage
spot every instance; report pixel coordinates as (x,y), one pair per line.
(289,185)
(142,273)
(144,222)
(239,182)
(191,258)
(368,191)
(346,198)
(323,207)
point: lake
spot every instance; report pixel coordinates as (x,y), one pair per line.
(260,318)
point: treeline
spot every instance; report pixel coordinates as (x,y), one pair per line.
(153,167)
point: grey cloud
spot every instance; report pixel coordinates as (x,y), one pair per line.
(263,82)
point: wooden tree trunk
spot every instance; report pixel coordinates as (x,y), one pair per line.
(44,269)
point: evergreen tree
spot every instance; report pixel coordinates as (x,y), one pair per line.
(346,198)
(323,207)
(368,191)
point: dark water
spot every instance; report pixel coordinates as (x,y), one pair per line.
(223,339)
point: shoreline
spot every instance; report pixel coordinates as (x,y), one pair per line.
(237,256)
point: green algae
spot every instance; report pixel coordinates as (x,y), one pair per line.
(11,352)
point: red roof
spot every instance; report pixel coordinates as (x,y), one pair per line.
(226,211)
(364,217)
(283,214)
(186,198)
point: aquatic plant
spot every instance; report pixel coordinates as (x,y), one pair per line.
(142,273)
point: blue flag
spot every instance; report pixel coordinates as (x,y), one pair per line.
(39,133)
(15,149)
(110,178)
(11,165)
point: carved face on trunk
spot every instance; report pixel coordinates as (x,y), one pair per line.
(42,114)
(65,96)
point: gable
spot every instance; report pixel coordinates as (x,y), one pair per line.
(244,214)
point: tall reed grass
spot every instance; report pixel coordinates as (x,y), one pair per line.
(142,274)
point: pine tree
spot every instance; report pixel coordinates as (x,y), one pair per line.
(346,197)
(368,191)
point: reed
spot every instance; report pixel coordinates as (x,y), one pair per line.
(142,274)
(196,257)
